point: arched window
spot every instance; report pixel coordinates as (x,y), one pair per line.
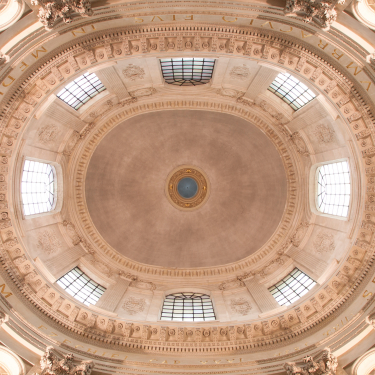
(292,287)
(291,90)
(81,286)
(333,191)
(81,90)
(188,307)
(187,71)
(37,187)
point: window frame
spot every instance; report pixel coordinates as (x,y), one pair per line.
(99,284)
(313,189)
(58,188)
(289,274)
(83,104)
(171,293)
(274,91)
(197,84)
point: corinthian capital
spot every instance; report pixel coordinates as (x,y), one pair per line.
(50,11)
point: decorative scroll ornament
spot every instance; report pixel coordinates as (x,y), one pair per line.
(3,58)
(50,11)
(299,234)
(322,12)
(325,366)
(51,365)
(300,144)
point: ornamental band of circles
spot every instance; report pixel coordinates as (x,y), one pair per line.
(187,188)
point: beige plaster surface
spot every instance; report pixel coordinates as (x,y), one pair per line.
(126,179)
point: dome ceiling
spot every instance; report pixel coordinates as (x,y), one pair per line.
(128,205)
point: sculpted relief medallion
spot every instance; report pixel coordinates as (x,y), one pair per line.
(240,306)
(134,306)
(48,242)
(133,72)
(240,72)
(48,133)
(324,242)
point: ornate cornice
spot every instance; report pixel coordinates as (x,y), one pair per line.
(35,85)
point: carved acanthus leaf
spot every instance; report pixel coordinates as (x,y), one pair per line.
(51,10)
(327,365)
(322,12)
(50,364)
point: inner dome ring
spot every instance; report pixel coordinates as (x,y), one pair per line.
(207,138)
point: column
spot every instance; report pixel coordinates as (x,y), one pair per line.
(113,82)
(220,308)
(260,83)
(113,295)
(63,262)
(63,116)
(308,263)
(261,295)
(154,311)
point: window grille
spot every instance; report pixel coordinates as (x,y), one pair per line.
(292,287)
(187,71)
(188,307)
(333,195)
(291,90)
(81,90)
(81,287)
(37,187)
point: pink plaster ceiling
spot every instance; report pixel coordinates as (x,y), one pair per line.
(126,179)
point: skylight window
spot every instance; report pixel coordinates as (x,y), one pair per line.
(37,187)
(81,287)
(333,195)
(81,90)
(187,71)
(291,90)
(188,307)
(292,287)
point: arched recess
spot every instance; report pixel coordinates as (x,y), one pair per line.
(365,364)
(11,362)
